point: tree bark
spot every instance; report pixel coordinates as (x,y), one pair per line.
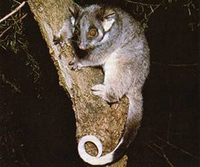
(93,115)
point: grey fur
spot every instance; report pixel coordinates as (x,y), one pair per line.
(121,49)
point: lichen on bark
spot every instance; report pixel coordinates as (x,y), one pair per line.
(93,115)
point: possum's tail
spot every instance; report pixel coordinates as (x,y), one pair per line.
(130,130)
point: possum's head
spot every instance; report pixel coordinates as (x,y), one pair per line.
(92,25)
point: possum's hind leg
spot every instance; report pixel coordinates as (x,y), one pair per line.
(105,93)
(114,87)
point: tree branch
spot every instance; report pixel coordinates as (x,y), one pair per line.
(13,12)
(93,115)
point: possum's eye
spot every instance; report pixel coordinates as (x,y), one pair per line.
(92,32)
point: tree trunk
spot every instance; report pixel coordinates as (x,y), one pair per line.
(93,115)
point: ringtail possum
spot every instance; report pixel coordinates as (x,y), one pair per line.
(115,41)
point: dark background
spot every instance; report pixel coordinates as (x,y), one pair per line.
(37,124)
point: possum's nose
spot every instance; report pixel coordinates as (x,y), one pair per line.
(81,46)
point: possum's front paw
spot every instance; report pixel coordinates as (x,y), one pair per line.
(75,64)
(56,39)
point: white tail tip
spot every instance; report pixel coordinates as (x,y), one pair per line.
(93,160)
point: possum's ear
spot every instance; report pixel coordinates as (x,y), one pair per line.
(105,13)
(109,17)
(75,10)
(109,14)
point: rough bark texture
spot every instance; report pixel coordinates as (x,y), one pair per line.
(93,115)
